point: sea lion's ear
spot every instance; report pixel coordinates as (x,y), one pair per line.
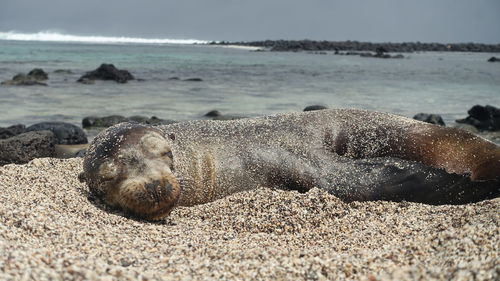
(171,136)
(81,177)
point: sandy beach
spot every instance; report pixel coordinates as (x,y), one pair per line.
(51,230)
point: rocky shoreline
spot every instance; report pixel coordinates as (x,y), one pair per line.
(405,47)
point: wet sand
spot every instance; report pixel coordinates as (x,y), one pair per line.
(51,229)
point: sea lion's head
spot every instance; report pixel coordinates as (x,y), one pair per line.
(131,166)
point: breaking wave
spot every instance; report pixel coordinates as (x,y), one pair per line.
(50,36)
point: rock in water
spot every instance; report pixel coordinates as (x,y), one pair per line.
(38,74)
(34,77)
(486,118)
(194,80)
(107,121)
(107,72)
(217,115)
(315,107)
(213,113)
(65,133)
(430,118)
(26,147)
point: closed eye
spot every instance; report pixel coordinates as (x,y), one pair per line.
(167,154)
(171,159)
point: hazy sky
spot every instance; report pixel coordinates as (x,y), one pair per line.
(443,21)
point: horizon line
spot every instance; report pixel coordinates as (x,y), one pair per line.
(57,36)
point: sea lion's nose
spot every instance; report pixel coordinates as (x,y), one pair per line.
(158,190)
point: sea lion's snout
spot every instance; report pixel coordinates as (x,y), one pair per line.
(131,166)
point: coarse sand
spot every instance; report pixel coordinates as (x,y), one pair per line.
(51,230)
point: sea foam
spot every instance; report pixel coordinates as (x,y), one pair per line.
(50,36)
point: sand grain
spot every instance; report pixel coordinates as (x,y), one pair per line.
(50,230)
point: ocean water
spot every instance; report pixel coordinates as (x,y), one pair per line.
(237,81)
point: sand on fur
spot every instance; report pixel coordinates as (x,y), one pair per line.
(51,229)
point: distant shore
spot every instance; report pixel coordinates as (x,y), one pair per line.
(405,47)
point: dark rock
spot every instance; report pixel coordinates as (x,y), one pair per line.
(217,115)
(213,113)
(26,147)
(480,113)
(380,50)
(158,121)
(494,59)
(38,74)
(107,72)
(24,82)
(193,80)
(174,78)
(34,78)
(485,118)
(405,47)
(108,121)
(315,107)
(11,131)
(65,133)
(430,118)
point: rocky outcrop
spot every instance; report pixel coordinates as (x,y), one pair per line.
(26,147)
(494,59)
(33,78)
(106,72)
(406,47)
(430,118)
(108,121)
(65,133)
(11,131)
(484,118)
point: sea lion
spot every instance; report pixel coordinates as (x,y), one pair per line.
(353,154)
